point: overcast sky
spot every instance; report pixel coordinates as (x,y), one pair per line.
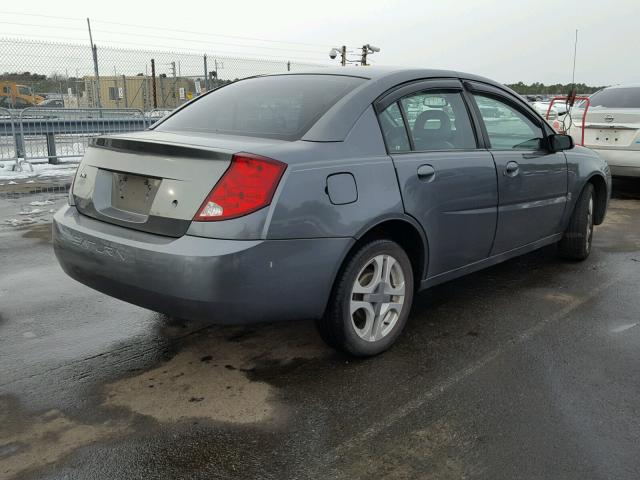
(505,40)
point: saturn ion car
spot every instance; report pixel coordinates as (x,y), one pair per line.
(333,195)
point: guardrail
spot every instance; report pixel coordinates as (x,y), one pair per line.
(7,141)
(49,134)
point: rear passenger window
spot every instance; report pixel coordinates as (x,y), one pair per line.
(395,135)
(438,121)
(508,129)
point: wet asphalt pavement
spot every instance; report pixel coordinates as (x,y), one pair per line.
(530,369)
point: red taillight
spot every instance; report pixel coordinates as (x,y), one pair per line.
(248,185)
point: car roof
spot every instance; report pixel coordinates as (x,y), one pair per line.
(337,122)
(628,85)
(381,72)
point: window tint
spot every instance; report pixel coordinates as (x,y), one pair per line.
(508,129)
(438,121)
(616,98)
(281,106)
(395,135)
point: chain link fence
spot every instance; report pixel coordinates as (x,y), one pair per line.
(35,73)
(54,133)
(52,101)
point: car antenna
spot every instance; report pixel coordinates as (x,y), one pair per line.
(571,98)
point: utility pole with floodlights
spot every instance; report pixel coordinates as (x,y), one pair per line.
(367,49)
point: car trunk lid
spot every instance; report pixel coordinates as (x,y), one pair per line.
(609,128)
(153,182)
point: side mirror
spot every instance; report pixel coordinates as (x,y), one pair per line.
(558,142)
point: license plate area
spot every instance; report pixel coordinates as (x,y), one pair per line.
(610,137)
(133,193)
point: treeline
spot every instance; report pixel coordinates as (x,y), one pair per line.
(557,88)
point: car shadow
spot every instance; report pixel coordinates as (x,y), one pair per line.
(626,188)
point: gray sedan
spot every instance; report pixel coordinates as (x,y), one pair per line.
(332,195)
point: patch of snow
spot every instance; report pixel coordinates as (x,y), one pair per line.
(32,212)
(40,170)
(12,183)
(40,204)
(15,222)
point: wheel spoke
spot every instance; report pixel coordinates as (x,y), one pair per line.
(385,312)
(387,264)
(376,331)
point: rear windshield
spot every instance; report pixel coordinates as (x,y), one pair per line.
(281,106)
(616,98)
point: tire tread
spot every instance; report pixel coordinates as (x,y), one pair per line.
(572,245)
(332,326)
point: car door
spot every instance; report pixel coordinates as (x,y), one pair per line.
(532,181)
(447,182)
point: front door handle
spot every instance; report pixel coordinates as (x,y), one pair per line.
(512,169)
(426,173)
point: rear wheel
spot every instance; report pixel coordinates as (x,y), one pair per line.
(371,299)
(576,242)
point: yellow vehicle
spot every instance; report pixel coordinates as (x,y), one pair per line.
(13,95)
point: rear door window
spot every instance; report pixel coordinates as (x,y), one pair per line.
(281,106)
(392,125)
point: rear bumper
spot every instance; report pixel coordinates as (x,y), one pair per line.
(623,163)
(224,281)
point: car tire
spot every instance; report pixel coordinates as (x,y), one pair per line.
(370,301)
(576,242)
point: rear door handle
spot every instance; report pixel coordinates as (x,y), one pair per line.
(512,169)
(426,173)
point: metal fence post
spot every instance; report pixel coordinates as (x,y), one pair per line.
(124,90)
(51,148)
(95,68)
(206,74)
(19,144)
(20,147)
(153,83)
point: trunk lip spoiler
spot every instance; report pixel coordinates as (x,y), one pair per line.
(145,147)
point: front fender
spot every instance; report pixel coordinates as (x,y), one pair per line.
(584,165)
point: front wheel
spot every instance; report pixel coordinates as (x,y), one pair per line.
(371,299)
(576,242)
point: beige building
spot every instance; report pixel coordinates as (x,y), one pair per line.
(137,92)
